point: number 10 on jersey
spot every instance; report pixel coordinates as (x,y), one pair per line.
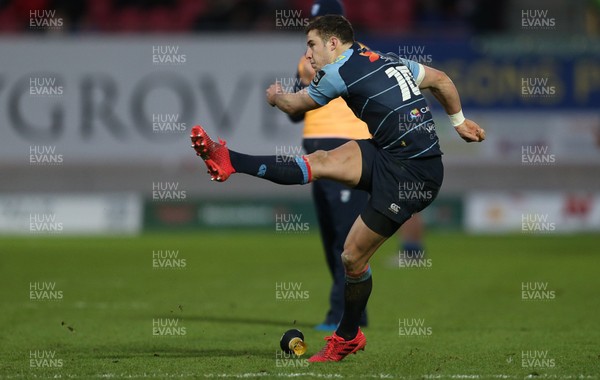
(405,81)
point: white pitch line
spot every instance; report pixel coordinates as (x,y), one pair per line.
(286,375)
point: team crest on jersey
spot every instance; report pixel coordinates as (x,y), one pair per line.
(318,77)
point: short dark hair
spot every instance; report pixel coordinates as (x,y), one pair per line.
(332,25)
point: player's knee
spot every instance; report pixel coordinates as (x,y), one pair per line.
(318,163)
(351,259)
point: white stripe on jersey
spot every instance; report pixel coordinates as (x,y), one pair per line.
(371,73)
(394,111)
(420,153)
(404,134)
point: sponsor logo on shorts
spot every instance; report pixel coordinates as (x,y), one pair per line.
(394,208)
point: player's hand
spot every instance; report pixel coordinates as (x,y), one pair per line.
(272,93)
(470,131)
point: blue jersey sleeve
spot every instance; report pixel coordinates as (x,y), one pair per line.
(417,70)
(327,85)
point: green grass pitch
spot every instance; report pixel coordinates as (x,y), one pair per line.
(112,315)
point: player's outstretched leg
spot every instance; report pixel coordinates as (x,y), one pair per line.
(222,162)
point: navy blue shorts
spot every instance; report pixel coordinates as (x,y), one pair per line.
(398,188)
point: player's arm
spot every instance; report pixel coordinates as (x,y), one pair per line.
(296,118)
(304,75)
(444,90)
(326,85)
(290,103)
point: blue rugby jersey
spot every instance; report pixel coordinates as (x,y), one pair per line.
(382,90)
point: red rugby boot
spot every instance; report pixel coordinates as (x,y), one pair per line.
(337,348)
(215,155)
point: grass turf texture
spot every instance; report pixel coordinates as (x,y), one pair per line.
(470,299)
